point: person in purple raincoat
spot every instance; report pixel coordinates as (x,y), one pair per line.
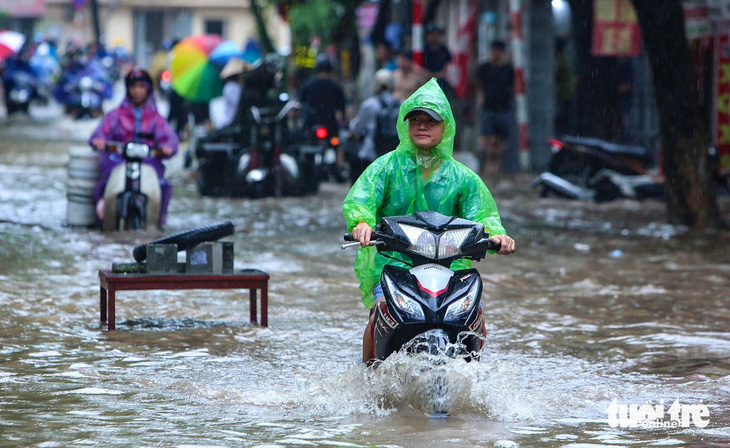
(136,119)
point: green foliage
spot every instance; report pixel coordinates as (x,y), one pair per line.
(315,18)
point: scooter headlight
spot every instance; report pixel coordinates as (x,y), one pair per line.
(137,150)
(404,303)
(451,241)
(86,83)
(464,305)
(422,241)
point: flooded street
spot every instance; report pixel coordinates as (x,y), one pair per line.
(600,303)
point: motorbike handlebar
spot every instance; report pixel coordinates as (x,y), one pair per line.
(348,237)
(352,243)
(493,246)
(118,147)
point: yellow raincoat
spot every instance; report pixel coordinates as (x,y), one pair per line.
(393,185)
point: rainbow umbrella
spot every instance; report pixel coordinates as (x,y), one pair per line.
(194,76)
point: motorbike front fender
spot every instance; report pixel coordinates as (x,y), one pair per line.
(150,187)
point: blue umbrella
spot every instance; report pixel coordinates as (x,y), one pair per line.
(224,52)
(252,53)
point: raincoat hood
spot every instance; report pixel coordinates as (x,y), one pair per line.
(429,96)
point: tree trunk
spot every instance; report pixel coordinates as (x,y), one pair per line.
(266,41)
(692,198)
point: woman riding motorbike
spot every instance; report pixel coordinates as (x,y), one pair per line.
(136,119)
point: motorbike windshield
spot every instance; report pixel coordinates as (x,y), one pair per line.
(393,185)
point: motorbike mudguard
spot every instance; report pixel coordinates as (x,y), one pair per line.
(150,187)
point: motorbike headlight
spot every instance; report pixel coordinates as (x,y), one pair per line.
(464,305)
(422,241)
(86,83)
(137,150)
(404,303)
(451,241)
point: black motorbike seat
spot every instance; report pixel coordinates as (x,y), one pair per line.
(636,151)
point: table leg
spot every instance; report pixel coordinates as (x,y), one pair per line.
(264,307)
(111,324)
(252,305)
(102,302)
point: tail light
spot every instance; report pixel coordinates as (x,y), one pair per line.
(321,132)
(555,145)
(166,75)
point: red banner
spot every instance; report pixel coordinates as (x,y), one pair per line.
(722,117)
(23,8)
(615,29)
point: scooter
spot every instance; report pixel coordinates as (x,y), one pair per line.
(165,83)
(593,169)
(22,89)
(268,170)
(269,163)
(324,144)
(132,197)
(429,308)
(85,96)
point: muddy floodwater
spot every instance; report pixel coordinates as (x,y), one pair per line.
(603,308)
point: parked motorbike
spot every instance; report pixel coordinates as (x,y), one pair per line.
(269,163)
(429,308)
(132,197)
(594,169)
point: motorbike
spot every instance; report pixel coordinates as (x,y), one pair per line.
(85,96)
(21,90)
(324,144)
(132,197)
(269,163)
(429,308)
(165,83)
(593,169)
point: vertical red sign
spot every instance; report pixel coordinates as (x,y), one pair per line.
(615,29)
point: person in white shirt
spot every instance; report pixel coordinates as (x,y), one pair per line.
(232,88)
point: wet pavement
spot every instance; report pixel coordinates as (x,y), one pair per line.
(601,303)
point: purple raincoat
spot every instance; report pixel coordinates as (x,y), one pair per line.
(119,126)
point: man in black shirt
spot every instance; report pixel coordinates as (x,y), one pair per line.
(436,58)
(496,79)
(324,104)
(323,99)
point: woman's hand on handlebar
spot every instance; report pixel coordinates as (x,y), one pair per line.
(168,151)
(362,233)
(507,244)
(99,144)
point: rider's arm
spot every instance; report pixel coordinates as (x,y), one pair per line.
(478,205)
(103,132)
(366,195)
(165,137)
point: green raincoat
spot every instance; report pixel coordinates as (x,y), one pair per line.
(393,185)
